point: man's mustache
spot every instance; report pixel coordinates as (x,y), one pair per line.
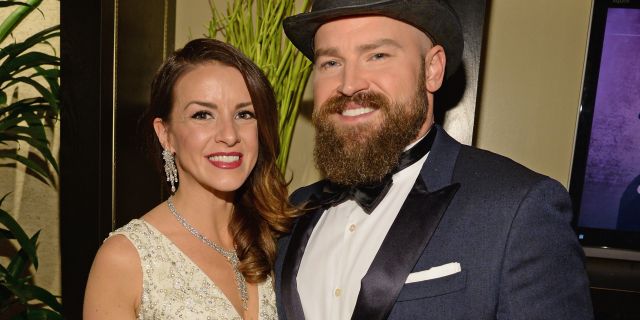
(368,99)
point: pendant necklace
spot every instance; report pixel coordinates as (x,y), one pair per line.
(231,255)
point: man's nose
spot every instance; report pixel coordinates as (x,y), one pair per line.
(353,81)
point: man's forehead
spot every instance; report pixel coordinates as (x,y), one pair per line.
(362,30)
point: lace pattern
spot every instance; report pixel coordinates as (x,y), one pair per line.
(174,287)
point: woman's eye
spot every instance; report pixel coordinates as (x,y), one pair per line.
(246,115)
(202,115)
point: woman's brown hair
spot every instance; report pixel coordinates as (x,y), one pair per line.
(262,211)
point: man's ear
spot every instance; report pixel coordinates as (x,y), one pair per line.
(161,132)
(434,63)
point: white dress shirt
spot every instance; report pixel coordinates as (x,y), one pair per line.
(343,245)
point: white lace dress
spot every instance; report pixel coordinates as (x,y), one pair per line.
(173,287)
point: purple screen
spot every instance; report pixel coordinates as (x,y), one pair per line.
(611,191)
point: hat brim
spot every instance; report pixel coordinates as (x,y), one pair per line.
(434,18)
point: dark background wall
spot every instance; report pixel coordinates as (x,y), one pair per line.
(109,51)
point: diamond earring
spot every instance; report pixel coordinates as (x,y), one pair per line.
(170,169)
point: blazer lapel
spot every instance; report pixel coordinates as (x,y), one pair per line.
(297,244)
(437,171)
(411,231)
(401,249)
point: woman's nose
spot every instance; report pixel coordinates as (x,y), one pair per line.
(227,132)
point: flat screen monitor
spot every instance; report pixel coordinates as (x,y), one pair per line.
(605,178)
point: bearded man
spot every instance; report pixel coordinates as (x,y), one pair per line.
(409,223)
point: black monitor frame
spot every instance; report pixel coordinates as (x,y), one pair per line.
(592,237)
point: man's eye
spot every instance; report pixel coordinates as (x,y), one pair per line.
(246,115)
(202,115)
(378,56)
(328,64)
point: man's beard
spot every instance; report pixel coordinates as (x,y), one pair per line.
(362,153)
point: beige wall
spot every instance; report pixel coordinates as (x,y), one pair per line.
(530,86)
(531,82)
(192,18)
(33,203)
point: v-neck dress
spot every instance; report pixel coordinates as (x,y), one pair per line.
(174,287)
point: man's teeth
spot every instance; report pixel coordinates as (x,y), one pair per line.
(224,158)
(356,112)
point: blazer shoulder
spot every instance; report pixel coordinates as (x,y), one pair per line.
(301,195)
(483,165)
(482,169)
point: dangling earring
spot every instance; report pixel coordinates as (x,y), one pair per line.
(170,169)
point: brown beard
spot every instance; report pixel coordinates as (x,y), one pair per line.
(360,154)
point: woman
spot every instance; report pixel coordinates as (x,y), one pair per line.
(208,251)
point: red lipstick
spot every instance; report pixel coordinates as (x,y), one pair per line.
(225,160)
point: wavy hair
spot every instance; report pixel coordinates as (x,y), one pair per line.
(261,210)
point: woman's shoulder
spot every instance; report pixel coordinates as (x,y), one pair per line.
(139,231)
(115,281)
(133,226)
(122,245)
(118,250)
(117,266)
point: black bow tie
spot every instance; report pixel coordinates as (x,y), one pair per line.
(368,196)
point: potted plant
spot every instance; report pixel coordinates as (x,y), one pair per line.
(26,120)
(255,27)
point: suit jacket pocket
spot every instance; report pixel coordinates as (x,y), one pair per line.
(434,287)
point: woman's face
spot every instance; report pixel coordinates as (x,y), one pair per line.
(212,128)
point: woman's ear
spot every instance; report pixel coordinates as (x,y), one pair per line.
(161,132)
(435,62)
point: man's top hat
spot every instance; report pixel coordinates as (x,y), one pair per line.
(434,17)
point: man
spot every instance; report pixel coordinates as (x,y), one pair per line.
(410,224)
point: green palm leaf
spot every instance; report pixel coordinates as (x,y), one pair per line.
(30,164)
(15,49)
(42,314)
(12,225)
(21,260)
(23,9)
(29,292)
(11,67)
(28,105)
(49,96)
(26,120)
(10,122)
(5,4)
(42,145)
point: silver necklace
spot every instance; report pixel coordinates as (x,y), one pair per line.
(231,255)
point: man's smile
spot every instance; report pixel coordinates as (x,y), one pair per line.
(356,111)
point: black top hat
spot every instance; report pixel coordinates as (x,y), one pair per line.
(434,17)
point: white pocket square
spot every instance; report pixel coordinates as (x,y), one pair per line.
(434,272)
